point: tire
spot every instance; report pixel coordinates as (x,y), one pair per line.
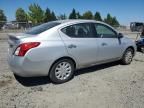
(142,49)
(127,57)
(62,71)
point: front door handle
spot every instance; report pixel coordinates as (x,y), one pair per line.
(104,44)
(72,46)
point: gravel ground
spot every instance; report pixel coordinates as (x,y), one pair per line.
(105,86)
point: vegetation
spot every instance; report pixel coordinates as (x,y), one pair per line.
(37,16)
(21,15)
(111,20)
(97,16)
(87,15)
(49,16)
(53,16)
(78,15)
(73,15)
(3,18)
(115,22)
(62,17)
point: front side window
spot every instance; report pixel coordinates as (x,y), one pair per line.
(82,30)
(104,31)
(41,28)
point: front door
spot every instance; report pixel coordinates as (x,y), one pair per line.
(109,45)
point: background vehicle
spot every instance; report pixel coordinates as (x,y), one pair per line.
(140,44)
(136,26)
(58,48)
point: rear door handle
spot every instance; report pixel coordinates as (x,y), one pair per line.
(104,44)
(72,46)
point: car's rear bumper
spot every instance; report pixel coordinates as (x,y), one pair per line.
(26,68)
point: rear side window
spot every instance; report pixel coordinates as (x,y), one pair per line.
(41,28)
(104,31)
(82,30)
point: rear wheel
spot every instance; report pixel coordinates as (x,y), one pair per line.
(128,56)
(62,71)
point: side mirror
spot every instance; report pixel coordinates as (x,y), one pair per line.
(120,35)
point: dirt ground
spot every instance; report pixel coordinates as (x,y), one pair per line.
(105,86)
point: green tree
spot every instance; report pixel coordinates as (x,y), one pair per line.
(73,14)
(87,15)
(108,19)
(97,16)
(111,20)
(3,18)
(115,22)
(21,16)
(53,16)
(47,15)
(62,17)
(78,15)
(36,14)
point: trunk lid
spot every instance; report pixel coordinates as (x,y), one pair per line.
(14,39)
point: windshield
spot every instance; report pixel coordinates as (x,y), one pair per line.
(139,24)
(41,28)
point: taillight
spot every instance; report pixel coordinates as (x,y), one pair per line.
(23,48)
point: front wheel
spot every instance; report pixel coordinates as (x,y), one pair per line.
(62,71)
(128,56)
(142,49)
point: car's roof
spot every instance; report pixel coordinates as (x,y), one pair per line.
(72,21)
(75,20)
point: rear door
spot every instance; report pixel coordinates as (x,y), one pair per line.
(80,42)
(109,45)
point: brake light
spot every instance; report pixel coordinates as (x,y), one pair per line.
(23,48)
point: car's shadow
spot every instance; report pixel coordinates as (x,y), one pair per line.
(32,81)
(35,81)
(96,68)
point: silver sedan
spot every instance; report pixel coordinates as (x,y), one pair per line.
(56,49)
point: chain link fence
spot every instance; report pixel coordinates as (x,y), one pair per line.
(14,26)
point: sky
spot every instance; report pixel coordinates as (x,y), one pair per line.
(126,11)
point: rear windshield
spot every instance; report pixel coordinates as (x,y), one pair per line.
(41,28)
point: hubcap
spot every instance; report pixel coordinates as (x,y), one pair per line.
(63,70)
(129,56)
